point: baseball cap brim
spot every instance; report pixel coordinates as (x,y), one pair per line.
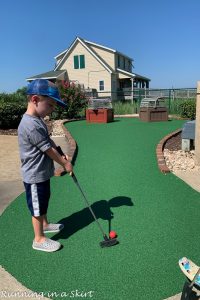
(59,102)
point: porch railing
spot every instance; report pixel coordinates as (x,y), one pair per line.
(172,97)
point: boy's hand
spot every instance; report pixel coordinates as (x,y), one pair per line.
(65,156)
(60,158)
(68,167)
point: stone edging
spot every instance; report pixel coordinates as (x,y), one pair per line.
(159,151)
(72,145)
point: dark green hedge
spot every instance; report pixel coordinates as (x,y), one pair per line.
(13,106)
(11,114)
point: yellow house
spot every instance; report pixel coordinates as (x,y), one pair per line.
(96,67)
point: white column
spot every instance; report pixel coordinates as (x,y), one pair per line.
(132,90)
(197,127)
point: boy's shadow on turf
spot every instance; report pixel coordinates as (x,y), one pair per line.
(83,218)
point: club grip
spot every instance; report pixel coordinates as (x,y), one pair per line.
(58,148)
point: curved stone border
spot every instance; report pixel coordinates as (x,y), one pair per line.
(159,151)
(72,145)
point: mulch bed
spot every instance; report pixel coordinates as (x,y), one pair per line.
(8,131)
(14,131)
(174,143)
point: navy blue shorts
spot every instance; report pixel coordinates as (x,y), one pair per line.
(37,196)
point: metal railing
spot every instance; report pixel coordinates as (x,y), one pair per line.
(172,97)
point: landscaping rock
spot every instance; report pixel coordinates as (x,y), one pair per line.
(180,160)
(57,128)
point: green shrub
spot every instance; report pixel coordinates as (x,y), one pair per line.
(75,99)
(187,109)
(19,96)
(11,114)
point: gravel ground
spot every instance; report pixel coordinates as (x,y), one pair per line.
(175,158)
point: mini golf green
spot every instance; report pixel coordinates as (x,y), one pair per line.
(156,217)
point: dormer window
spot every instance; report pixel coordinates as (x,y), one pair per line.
(79,61)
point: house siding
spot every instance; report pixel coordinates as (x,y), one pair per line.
(106,55)
(91,74)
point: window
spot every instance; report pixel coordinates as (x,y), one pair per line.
(129,66)
(101,85)
(124,63)
(118,61)
(121,62)
(79,61)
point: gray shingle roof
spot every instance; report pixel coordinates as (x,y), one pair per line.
(47,75)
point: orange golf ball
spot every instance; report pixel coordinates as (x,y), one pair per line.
(112,234)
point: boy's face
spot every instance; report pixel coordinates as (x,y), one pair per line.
(44,105)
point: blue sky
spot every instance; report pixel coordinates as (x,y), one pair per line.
(161,36)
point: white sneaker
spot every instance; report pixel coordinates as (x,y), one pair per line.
(53,228)
(48,245)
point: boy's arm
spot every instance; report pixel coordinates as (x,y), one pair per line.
(58,148)
(53,154)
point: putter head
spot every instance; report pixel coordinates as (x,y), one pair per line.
(108,242)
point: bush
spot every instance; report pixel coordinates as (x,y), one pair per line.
(11,114)
(19,96)
(75,99)
(188,109)
(12,108)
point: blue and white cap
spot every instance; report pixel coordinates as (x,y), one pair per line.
(45,87)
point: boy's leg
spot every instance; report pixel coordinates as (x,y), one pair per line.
(38,228)
(37,199)
(45,221)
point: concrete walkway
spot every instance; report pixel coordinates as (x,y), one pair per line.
(192,178)
(11,186)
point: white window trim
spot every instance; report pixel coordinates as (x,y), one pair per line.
(79,61)
(103,85)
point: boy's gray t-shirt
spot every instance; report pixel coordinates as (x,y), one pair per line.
(33,138)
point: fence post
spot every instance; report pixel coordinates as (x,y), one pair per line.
(197,127)
(169,102)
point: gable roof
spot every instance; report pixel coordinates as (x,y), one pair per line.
(97,45)
(47,75)
(84,44)
(109,49)
(61,54)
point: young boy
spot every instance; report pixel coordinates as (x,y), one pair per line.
(37,153)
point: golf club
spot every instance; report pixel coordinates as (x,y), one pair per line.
(107,241)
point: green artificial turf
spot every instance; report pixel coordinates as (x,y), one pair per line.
(156,217)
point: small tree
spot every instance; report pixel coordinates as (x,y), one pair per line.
(188,109)
(75,99)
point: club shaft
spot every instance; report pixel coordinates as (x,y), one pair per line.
(88,204)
